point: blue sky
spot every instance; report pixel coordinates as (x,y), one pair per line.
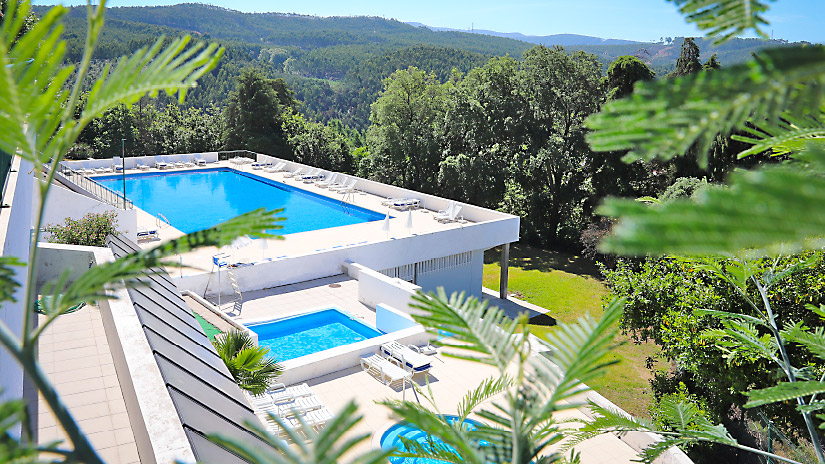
(642,20)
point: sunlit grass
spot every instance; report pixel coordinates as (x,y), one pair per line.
(568,287)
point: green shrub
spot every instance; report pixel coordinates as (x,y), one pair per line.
(90,230)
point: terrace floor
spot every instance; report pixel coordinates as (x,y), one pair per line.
(449,379)
(305,242)
(340,291)
(74,354)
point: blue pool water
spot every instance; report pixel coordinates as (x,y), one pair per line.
(195,200)
(392,440)
(298,336)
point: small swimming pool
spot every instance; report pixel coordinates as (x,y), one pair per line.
(297,336)
(197,199)
(391,439)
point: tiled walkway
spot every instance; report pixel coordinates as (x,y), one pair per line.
(75,355)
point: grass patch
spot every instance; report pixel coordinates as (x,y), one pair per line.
(568,287)
(207,327)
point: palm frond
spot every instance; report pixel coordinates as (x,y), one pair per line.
(775,209)
(579,355)
(725,19)
(487,389)
(783,392)
(668,117)
(605,420)
(476,332)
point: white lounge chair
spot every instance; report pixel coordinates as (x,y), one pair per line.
(408,359)
(336,185)
(200,161)
(190,163)
(324,183)
(297,172)
(390,201)
(387,371)
(161,165)
(276,168)
(311,176)
(405,204)
(279,392)
(427,349)
(349,187)
(144,233)
(142,167)
(299,406)
(448,215)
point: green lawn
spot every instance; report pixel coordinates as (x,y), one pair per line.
(568,286)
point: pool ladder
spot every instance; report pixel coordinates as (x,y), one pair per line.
(237,305)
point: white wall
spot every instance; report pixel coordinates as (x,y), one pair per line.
(466,278)
(62,203)
(132,161)
(15,238)
(375,288)
(383,254)
(389,319)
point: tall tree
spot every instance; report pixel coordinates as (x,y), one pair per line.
(564,89)
(254,116)
(403,138)
(483,130)
(688,61)
(623,73)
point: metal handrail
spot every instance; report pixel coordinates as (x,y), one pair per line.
(97,190)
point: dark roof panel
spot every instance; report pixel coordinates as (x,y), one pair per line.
(206,398)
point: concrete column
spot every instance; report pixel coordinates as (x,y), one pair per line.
(505,267)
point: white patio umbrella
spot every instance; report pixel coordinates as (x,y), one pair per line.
(385,226)
(408,223)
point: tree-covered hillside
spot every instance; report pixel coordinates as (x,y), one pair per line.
(335,65)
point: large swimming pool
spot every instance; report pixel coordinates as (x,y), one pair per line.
(196,200)
(297,336)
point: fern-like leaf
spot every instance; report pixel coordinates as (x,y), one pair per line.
(776,209)
(725,19)
(477,333)
(666,118)
(783,392)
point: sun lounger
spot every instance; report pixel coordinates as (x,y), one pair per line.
(349,187)
(144,233)
(448,215)
(257,166)
(280,393)
(313,174)
(427,349)
(390,201)
(326,182)
(142,166)
(405,204)
(408,359)
(387,371)
(297,172)
(314,178)
(161,165)
(299,406)
(200,161)
(276,168)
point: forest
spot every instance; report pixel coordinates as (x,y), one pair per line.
(336,64)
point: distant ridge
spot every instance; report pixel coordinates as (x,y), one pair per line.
(553,39)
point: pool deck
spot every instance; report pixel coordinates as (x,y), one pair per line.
(449,379)
(301,243)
